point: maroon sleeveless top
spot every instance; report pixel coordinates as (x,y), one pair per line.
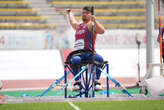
(83,38)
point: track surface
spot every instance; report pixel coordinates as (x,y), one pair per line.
(14,85)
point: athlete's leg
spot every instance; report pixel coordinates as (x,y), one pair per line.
(76,60)
(98,58)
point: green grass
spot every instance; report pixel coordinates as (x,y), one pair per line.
(109,105)
(37,106)
(123,105)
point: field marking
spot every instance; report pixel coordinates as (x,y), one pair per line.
(74,106)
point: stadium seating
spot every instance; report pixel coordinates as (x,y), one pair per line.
(9,26)
(18,14)
(13,3)
(112,14)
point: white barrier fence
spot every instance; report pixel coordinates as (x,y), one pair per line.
(21,65)
(47,64)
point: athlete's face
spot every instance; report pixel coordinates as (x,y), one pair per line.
(86,15)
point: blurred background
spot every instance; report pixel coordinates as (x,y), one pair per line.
(34,35)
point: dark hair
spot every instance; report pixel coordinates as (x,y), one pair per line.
(87,8)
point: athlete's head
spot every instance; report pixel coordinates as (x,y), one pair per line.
(86,12)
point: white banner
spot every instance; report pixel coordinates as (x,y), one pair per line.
(64,39)
(123,39)
(21,39)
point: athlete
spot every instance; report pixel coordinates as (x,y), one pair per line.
(83,41)
(158,39)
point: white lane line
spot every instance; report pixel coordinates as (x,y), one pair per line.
(74,106)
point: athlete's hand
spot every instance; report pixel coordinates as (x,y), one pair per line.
(93,18)
(68,10)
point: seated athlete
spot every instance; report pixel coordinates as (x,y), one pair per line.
(83,41)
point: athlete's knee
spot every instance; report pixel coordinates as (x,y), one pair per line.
(76,60)
(98,58)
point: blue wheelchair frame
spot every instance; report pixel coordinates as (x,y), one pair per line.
(88,80)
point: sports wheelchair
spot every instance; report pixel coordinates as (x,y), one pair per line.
(87,74)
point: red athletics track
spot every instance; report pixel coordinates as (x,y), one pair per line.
(13,85)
